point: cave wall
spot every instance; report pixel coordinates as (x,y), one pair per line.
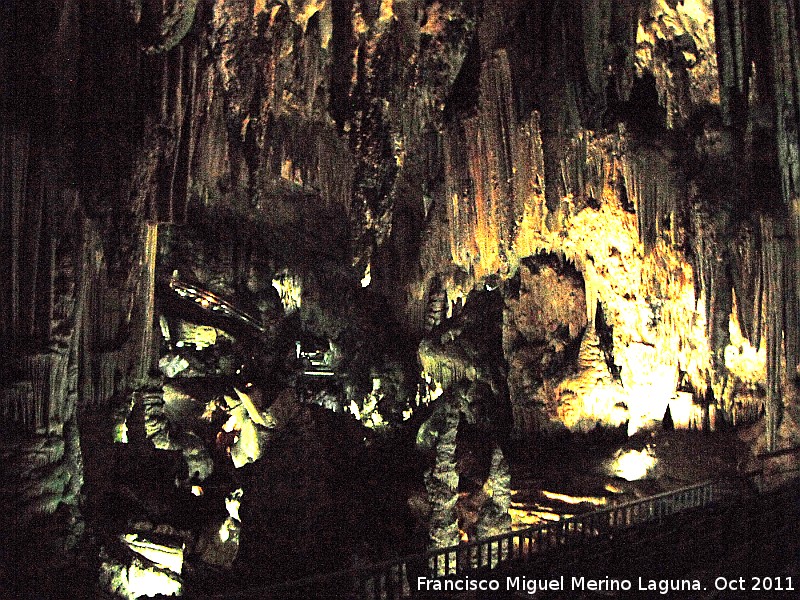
(43,232)
(551,133)
(118,117)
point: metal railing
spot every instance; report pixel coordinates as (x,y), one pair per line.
(396,579)
(208,300)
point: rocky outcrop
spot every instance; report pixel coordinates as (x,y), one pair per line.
(545,314)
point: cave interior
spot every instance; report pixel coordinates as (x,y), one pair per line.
(295,286)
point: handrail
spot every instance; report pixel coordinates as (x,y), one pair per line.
(208,300)
(778,452)
(390,579)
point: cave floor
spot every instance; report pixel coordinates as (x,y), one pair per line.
(351,505)
(573,474)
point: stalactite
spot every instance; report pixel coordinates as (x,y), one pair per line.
(757,45)
(650,183)
(773,265)
(38,318)
(785,31)
(491,163)
(733,58)
(307,160)
(13,178)
(42,266)
(290,289)
(784,27)
(715,285)
(593,301)
(595,23)
(458,197)
(164,170)
(437,299)
(746,274)
(676,43)
(494,163)
(585,168)
(142,354)
(31,219)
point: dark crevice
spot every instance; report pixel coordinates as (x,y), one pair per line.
(605,333)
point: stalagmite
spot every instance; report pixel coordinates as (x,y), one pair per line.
(494,517)
(442,486)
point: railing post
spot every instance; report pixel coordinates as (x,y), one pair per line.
(370,588)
